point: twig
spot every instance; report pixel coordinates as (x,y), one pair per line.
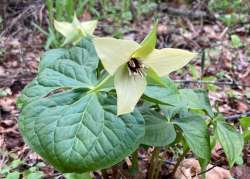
(233,83)
(211,168)
(223,33)
(187,13)
(168,162)
(133,10)
(56,175)
(237,116)
(207,170)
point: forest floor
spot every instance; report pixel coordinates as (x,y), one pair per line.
(223,66)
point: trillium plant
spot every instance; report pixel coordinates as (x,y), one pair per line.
(129,63)
(96,100)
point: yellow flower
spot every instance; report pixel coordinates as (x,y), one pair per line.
(73,32)
(129,62)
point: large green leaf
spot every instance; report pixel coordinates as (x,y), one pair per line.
(195,132)
(230,140)
(161,90)
(184,98)
(197,99)
(158,131)
(63,69)
(77,131)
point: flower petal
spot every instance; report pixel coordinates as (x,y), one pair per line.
(148,44)
(76,22)
(166,60)
(89,26)
(129,89)
(64,28)
(73,32)
(74,37)
(114,52)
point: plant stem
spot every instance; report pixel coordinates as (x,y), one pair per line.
(219,83)
(158,169)
(49,4)
(134,167)
(105,174)
(105,83)
(152,173)
(180,160)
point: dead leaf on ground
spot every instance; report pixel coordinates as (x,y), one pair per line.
(190,168)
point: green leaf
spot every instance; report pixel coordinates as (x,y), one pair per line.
(239,160)
(155,80)
(13,175)
(3,93)
(184,98)
(195,132)
(211,87)
(78,176)
(245,123)
(158,131)
(63,69)
(69,6)
(203,164)
(35,175)
(235,40)
(194,72)
(148,44)
(197,99)
(246,136)
(16,163)
(230,140)
(77,131)
(164,92)
(5,170)
(171,111)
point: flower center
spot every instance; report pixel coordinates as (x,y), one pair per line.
(135,67)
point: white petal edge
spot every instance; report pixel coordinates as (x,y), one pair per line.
(167,60)
(64,28)
(114,52)
(129,89)
(89,26)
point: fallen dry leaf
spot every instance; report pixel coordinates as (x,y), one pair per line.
(190,169)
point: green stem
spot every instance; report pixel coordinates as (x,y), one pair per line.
(154,164)
(49,4)
(103,84)
(134,167)
(180,160)
(158,170)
